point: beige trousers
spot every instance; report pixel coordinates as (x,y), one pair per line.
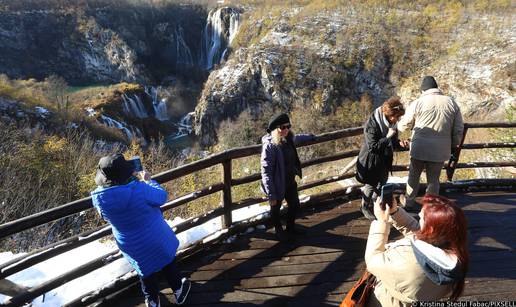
(433,171)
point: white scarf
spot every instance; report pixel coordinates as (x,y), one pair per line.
(382,121)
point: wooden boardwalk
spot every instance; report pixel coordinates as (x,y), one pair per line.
(318,268)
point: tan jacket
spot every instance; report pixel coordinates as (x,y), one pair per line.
(436,124)
(401,279)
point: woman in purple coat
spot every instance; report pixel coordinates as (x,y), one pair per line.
(132,207)
(279,166)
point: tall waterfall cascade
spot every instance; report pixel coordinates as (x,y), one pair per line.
(183,53)
(221,28)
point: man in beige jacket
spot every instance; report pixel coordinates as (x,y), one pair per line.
(437,127)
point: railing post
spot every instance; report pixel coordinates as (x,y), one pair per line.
(226,193)
(454,159)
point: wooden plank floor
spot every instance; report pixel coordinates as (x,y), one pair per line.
(318,268)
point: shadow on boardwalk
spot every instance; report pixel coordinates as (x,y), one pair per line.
(318,268)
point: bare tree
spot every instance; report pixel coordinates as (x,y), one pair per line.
(56,92)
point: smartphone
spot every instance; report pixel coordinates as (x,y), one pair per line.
(137,164)
(387,195)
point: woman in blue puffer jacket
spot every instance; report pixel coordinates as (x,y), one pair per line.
(132,207)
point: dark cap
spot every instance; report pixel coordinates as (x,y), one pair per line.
(113,170)
(428,83)
(277,121)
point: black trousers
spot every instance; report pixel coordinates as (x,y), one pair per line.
(371,191)
(150,286)
(292,199)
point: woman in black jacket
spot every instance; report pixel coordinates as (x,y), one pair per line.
(375,157)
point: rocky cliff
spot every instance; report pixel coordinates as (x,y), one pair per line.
(171,44)
(102,44)
(322,57)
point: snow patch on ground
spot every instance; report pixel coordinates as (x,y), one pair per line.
(97,279)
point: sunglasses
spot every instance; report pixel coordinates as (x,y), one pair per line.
(283,127)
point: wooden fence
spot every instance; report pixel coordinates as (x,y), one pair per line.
(225,211)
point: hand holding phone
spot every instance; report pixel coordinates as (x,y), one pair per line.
(137,164)
(386,195)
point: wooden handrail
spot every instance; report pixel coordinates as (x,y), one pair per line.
(489,145)
(44,217)
(225,211)
(62,279)
(226,194)
(491,125)
(192,196)
(340,156)
(77,206)
(39,255)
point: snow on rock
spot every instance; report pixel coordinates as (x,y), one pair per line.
(42,112)
(91,112)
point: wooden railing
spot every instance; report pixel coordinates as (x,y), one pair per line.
(225,211)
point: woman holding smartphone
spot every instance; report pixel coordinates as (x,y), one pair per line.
(429,263)
(132,206)
(376,154)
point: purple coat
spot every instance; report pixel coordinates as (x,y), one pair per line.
(273,166)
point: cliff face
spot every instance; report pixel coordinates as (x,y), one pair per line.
(102,45)
(285,68)
(323,59)
(253,78)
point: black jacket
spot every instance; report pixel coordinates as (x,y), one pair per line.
(375,157)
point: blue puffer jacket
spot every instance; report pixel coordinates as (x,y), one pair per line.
(140,231)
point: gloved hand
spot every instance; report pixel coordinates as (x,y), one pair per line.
(391,133)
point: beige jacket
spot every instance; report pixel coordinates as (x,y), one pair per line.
(436,124)
(401,280)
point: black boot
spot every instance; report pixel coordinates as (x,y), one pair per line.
(367,209)
(291,220)
(276,222)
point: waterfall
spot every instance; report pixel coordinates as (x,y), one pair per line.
(217,35)
(160,110)
(234,23)
(134,106)
(213,41)
(159,105)
(152,92)
(116,124)
(184,126)
(183,53)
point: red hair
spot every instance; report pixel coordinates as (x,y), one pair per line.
(445,226)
